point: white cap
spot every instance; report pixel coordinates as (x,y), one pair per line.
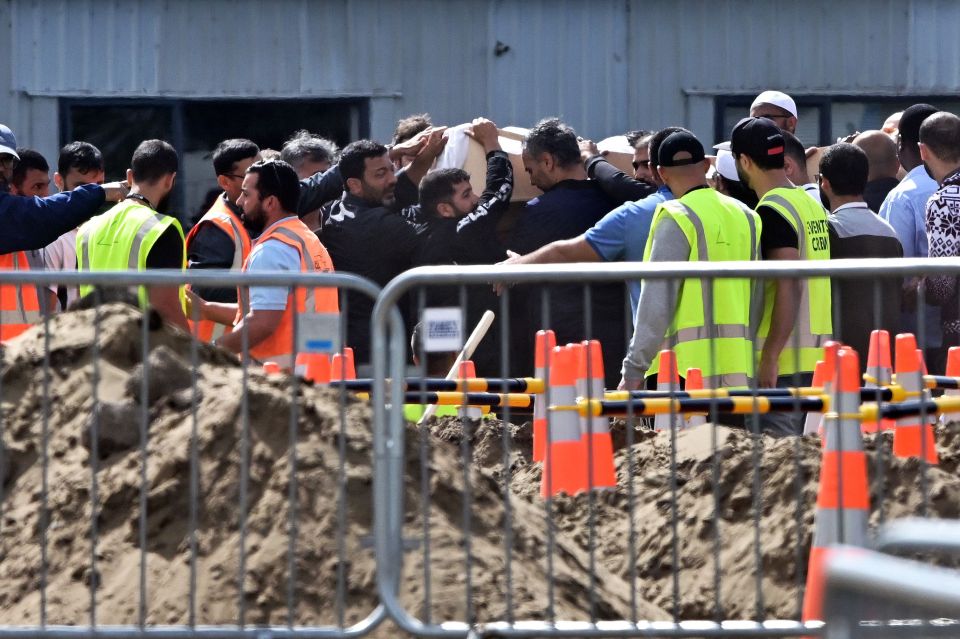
(726,165)
(776,98)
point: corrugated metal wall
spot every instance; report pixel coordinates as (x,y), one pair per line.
(604,65)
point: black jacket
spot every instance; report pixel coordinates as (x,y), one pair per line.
(618,186)
(372,241)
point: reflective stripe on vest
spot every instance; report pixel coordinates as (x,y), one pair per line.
(279,347)
(813,324)
(19,305)
(121,239)
(224,219)
(722,349)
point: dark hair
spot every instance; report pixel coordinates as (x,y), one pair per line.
(410,126)
(911,120)
(941,134)
(556,138)
(846,167)
(29,159)
(304,145)
(231,151)
(354,158)
(637,136)
(794,148)
(81,156)
(277,178)
(657,139)
(437,187)
(153,160)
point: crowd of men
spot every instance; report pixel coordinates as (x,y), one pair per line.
(376,210)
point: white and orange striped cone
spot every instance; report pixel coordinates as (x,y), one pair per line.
(342,366)
(313,367)
(668,379)
(546,342)
(813,423)
(466,371)
(912,437)
(953,370)
(843,499)
(565,463)
(694,380)
(595,431)
(879,374)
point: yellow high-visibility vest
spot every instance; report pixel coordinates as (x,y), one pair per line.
(814,325)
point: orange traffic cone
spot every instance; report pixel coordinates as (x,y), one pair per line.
(912,437)
(813,423)
(546,342)
(342,366)
(668,379)
(271,368)
(313,367)
(879,374)
(695,382)
(564,466)
(595,431)
(843,500)
(953,370)
(468,371)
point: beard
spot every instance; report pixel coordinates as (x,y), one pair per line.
(382,197)
(926,167)
(825,200)
(254,222)
(744,180)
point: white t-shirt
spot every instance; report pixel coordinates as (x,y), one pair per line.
(271,255)
(61,255)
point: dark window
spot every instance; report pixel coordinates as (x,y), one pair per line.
(194,127)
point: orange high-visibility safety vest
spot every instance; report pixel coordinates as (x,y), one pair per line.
(19,305)
(226,220)
(279,347)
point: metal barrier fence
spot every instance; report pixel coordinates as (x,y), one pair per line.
(154,487)
(594,554)
(214,502)
(873,595)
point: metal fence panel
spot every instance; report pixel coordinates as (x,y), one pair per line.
(466,546)
(153,486)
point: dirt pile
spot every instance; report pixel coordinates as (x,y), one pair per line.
(716,528)
(310,578)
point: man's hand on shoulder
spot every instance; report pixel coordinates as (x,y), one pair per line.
(485,132)
(115,191)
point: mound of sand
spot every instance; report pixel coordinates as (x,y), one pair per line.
(307,579)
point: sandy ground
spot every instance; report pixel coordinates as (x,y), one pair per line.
(324,577)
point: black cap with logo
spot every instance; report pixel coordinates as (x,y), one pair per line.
(680,149)
(757,138)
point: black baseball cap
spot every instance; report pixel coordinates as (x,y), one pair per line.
(680,149)
(756,137)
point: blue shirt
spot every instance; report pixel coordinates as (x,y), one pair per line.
(622,234)
(905,208)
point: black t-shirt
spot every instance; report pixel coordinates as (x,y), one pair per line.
(211,247)
(167,251)
(776,232)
